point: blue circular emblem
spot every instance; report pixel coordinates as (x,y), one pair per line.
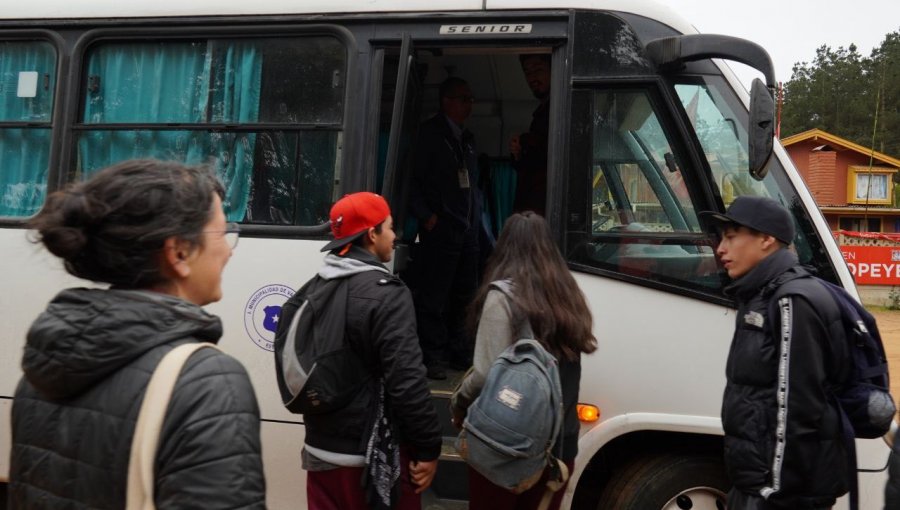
(262,311)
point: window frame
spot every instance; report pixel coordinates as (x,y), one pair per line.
(58,106)
(853,173)
(77,78)
(662,106)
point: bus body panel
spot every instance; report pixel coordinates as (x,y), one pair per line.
(661,353)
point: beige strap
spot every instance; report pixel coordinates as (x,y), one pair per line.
(139,495)
(554,485)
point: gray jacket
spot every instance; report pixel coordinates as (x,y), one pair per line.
(87,362)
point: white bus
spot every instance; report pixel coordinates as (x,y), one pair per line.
(299,102)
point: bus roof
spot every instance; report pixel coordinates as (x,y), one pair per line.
(93,9)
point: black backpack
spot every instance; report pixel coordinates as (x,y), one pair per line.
(317,370)
(864,399)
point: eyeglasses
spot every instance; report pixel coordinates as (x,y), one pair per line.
(464,99)
(231,234)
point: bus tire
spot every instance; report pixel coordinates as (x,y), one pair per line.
(667,482)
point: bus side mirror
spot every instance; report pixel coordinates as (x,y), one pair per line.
(761,133)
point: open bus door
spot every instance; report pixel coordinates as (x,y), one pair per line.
(397,171)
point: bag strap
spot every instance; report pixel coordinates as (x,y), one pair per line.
(139,490)
(554,484)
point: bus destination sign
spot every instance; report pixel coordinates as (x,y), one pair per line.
(503,28)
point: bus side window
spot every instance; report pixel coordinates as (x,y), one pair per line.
(626,183)
(206,100)
(27,88)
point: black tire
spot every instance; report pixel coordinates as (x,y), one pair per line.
(667,482)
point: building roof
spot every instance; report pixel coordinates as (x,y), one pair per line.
(835,141)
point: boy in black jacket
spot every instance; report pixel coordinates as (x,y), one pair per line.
(381,329)
(784,447)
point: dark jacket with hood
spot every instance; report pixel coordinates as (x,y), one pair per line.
(783,438)
(88,359)
(381,329)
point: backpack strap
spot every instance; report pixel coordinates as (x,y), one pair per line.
(559,475)
(144,443)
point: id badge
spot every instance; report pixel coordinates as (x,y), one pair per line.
(463,175)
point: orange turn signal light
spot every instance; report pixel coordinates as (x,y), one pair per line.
(588,413)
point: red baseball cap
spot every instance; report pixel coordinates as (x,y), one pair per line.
(353,215)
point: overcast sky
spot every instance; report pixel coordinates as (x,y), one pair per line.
(791,30)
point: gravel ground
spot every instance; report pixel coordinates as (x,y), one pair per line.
(889,326)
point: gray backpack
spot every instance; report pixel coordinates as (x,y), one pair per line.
(510,429)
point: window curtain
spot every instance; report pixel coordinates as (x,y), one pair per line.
(191,82)
(25,152)
(878,189)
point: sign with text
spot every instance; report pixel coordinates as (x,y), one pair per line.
(873,265)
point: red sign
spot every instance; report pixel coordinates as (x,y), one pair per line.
(873,265)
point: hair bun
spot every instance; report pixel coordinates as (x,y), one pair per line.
(65,242)
(62,224)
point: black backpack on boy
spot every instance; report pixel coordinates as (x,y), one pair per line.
(316,368)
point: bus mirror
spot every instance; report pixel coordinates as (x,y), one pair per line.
(671,53)
(761,133)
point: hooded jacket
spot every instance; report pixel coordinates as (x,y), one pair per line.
(88,359)
(785,446)
(381,329)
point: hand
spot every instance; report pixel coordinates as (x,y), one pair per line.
(422,473)
(515,147)
(432,221)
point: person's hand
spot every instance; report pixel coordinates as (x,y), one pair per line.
(422,473)
(515,147)
(432,221)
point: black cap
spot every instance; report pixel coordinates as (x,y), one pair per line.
(758,213)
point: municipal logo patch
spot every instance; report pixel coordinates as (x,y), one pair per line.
(261,314)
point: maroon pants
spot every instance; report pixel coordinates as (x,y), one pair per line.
(341,489)
(484,495)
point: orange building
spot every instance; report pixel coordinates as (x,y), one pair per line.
(852,185)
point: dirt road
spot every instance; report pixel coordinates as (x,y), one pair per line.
(889,326)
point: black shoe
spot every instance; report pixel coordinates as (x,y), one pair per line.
(436,372)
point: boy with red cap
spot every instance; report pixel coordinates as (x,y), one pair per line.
(390,431)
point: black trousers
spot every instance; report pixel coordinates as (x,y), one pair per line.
(447,276)
(739,500)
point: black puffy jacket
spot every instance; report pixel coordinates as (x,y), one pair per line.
(87,362)
(381,328)
(793,454)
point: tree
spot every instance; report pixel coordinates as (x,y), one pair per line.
(839,91)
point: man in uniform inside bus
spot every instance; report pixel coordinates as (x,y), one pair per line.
(529,150)
(783,443)
(447,204)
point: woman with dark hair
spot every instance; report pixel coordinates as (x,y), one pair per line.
(546,304)
(156,232)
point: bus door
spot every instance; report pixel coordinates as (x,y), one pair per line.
(397,140)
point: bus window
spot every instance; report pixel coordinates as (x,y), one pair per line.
(267,113)
(27,83)
(719,122)
(642,222)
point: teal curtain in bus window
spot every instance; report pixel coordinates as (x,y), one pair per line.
(236,71)
(503,192)
(27,83)
(192,82)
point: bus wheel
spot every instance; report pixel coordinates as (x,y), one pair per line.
(667,482)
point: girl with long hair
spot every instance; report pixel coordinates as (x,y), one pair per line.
(546,304)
